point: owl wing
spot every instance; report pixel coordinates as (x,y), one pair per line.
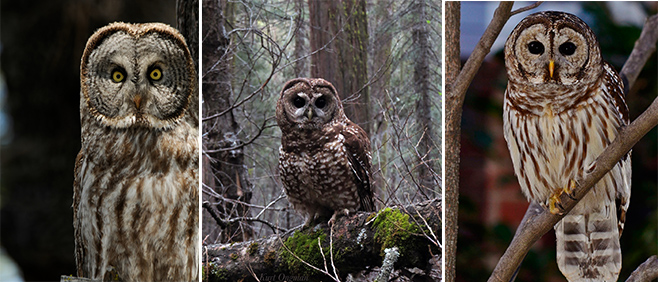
(77,191)
(615,88)
(357,145)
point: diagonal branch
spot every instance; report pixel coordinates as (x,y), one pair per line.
(526,8)
(466,75)
(536,224)
(641,53)
(647,271)
(456,84)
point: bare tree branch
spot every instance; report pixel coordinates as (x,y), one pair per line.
(647,271)
(456,84)
(526,8)
(641,53)
(536,225)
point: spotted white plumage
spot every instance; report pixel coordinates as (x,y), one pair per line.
(563,106)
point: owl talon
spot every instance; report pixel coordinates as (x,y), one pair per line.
(336,214)
(554,204)
(569,189)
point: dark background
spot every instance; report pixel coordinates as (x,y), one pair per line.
(42,42)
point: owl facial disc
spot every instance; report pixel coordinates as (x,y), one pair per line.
(137,76)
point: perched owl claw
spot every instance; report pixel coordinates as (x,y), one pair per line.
(336,214)
(554,204)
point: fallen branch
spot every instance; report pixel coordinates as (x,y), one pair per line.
(357,244)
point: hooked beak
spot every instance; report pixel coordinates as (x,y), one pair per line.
(138,100)
(310,113)
(551,67)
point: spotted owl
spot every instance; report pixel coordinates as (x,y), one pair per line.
(563,106)
(324,158)
(135,194)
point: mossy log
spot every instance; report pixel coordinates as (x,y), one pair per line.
(359,244)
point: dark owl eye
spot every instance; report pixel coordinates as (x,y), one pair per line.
(567,48)
(299,102)
(535,47)
(320,102)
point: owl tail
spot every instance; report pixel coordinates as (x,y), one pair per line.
(588,245)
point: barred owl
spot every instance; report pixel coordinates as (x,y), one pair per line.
(324,158)
(563,106)
(135,198)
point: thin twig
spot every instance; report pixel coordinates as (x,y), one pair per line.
(526,8)
(306,263)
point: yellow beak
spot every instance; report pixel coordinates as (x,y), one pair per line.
(310,113)
(551,67)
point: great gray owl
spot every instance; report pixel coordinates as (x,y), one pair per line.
(135,200)
(563,106)
(324,159)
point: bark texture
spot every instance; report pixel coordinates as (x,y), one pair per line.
(359,241)
(225,166)
(339,34)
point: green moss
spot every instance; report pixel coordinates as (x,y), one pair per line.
(393,229)
(253,248)
(214,272)
(270,258)
(219,274)
(234,256)
(305,246)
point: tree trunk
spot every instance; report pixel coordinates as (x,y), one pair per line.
(300,46)
(226,167)
(452,131)
(187,15)
(381,60)
(339,32)
(428,154)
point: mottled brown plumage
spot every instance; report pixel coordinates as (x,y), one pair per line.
(563,106)
(135,198)
(324,159)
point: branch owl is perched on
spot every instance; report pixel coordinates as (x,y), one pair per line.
(563,106)
(135,200)
(324,159)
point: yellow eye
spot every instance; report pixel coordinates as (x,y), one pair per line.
(118,76)
(156,74)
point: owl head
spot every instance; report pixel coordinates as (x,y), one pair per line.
(553,48)
(308,104)
(136,75)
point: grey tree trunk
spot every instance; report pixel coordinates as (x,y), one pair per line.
(428,149)
(339,29)
(225,170)
(301,69)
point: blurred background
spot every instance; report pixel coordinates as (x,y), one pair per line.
(41,44)
(383,57)
(491,202)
